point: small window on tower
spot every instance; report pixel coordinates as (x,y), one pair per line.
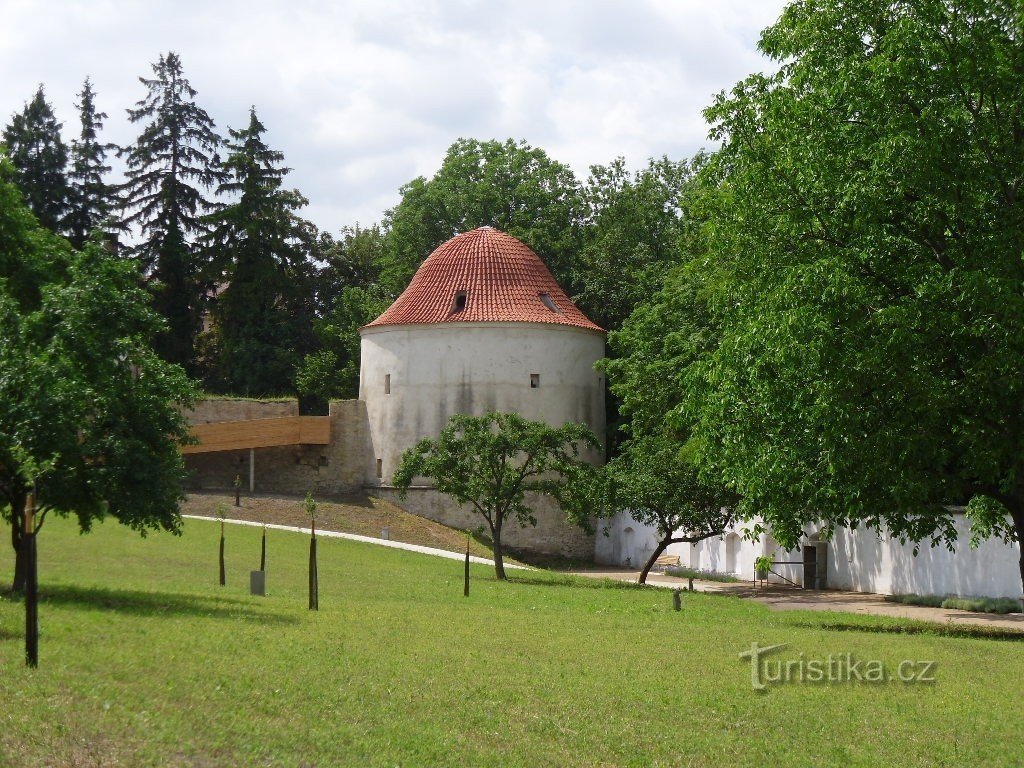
(380,468)
(534,380)
(460,302)
(545,299)
(387,384)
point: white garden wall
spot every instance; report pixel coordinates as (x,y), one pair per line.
(858,560)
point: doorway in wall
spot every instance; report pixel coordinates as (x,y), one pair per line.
(732,553)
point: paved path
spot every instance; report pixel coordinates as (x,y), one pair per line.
(789,599)
(366,540)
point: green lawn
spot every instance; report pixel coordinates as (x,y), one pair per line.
(145,660)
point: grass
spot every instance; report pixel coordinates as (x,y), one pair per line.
(146,661)
(978,604)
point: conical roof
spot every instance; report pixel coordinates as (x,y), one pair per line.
(483,276)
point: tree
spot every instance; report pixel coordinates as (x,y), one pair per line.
(655,476)
(508,185)
(653,480)
(258,247)
(492,461)
(638,227)
(169,167)
(90,418)
(90,197)
(40,157)
(332,371)
(867,245)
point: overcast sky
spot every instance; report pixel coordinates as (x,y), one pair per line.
(364,96)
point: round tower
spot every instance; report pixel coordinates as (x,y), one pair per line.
(483,326)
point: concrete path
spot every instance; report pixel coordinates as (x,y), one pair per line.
(366,540)
(789,599)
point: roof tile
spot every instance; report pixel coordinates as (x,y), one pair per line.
(503,280)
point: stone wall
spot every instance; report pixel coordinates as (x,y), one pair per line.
(214,410)
(332,469)
(553,535)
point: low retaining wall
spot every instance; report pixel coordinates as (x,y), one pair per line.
(553,534)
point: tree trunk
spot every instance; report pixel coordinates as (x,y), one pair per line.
(653,559)
(17,526)
(499,562)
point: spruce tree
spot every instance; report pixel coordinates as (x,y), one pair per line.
(91,197)
(170,167)
(258,247)
(40,158)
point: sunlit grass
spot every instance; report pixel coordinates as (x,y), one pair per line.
(146,660)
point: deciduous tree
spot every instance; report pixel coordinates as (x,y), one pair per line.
(508,185)
(492,461)
(871,227)
(90,417)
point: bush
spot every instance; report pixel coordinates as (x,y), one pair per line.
(977,604)
(690,573)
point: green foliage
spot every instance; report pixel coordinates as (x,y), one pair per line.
(309,506)
(654,474)
(508,185)
(762,563)
(638,226)
(169,168)
(39,155)
(91,198)
(258,247)
(977,604)
(866,274)
(491,462)
(332,372)
(88,414)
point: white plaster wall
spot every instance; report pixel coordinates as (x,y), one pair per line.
(442,369)
(858,560)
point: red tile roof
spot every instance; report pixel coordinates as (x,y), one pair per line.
(501,279)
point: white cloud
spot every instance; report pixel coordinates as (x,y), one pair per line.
(363,96)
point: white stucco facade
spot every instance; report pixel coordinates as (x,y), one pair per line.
(414,377)
(857,559)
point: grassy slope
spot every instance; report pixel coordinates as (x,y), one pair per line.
(361,514)
(145,660)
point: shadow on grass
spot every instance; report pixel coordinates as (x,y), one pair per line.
(912,628)
(139,603)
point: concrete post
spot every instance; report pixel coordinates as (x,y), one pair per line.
(252,470)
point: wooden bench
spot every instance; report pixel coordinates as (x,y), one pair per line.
(667,561)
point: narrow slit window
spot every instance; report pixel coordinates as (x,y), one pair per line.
(534,380)
(460,302)
(545,299)
(387,384)
(380,468)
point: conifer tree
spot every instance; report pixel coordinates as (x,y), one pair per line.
(259,248)
(91,197)
(40,157)
(170,166)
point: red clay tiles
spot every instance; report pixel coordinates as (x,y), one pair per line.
(497,279)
